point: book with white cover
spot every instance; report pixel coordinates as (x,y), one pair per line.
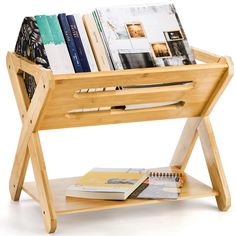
(63,56)
(85,42)
(55,59)
(144,36)
(107,183)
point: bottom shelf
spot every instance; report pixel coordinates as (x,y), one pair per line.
(192,189)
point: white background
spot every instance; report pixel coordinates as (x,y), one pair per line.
(209,25)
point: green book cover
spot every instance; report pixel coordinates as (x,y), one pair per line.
(44,29)
(55,29)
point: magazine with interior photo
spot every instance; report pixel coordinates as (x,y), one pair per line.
(144,36)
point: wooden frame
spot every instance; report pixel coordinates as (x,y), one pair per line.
(196,88)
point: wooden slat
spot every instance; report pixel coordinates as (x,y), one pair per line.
(205,56)
(117,97)
(221,86)
(119,116)
(192,189)
(138,76)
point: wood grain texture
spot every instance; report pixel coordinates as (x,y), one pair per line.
(214,164)
(41,179)
(186,143)
(205,56)
(57,95)
(64,205)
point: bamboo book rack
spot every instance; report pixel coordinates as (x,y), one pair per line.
(57,96)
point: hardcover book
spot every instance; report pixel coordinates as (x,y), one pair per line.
(107,183)
(78,43)
(62,56)
(77,32)
(29,45)
(70,42)
(86,43)
(144,36)
(58,57)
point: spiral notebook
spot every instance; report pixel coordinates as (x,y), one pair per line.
(160,185)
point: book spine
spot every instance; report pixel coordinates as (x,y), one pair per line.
(63,57)
(86,43)
(106,46)
(47,40)
(70,42)
(78,43)
(96,43)
(103,38)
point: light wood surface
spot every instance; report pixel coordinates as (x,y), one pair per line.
(214,164)
(186,143)
(53,106)
(44,191)
(205,56)
(192,189)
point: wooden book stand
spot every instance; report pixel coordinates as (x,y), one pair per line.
(195,88)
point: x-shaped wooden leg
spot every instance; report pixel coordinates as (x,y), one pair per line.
(29,144)
(201,126)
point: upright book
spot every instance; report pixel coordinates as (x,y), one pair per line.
(70,42)
(78,43)
(54,43)
(144,36)
(96,43)
(107,183)
(29,45)
(86,43)
(62,56)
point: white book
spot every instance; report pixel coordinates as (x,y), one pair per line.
(63,57)
(57,53)
(86,43)
(88,51)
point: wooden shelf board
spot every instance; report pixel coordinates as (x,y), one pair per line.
(192,189)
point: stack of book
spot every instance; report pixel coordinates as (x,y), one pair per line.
(115,38)
(121,183)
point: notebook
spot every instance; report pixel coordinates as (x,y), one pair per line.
(160,185)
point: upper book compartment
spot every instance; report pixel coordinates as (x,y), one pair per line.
(109,68)
(185,91)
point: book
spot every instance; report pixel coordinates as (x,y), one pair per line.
(80,48)
(144,36)
(61,56)
(29,45)
(78,43)
(96,43)
(48,42)
(107,183)
(86,43)
(87,48)
(70,42)
(98,47)
(160,185)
